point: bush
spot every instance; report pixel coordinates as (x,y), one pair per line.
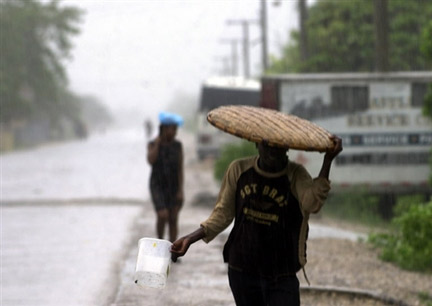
(425,298)
(430,167)
(411,246)
(358,206)
(404,202)
(231,152)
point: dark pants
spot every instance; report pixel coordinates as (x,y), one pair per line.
(251,290)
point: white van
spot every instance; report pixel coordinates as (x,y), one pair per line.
(216,92)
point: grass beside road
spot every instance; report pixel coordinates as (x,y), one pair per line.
(405,239)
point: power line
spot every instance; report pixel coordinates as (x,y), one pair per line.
(234,58)
(225,65)
(244,23)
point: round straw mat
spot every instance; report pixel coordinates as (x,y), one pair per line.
(276,128)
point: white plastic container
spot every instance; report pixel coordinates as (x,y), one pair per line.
(153,262)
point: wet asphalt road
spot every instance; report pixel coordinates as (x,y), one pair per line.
(66,217)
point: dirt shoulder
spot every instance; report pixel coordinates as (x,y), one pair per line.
(350,264)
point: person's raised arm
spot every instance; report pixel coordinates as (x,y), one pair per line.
(181,245)
(153,150)
(329,156)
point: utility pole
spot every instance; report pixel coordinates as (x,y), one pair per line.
(264,41)
(234,57)
(245,26)
(303,15)
(381,35)
(225,65)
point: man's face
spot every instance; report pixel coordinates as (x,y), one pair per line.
(272,156)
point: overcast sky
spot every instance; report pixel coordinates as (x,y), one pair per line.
(138,55)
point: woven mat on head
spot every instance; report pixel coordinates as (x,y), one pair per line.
(276,128)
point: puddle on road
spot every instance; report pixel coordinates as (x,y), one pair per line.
(322,231)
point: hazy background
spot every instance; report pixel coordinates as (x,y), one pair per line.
(74,191)
(136,58)
(141,57)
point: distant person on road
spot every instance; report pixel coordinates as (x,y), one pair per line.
(270,198)
(165,155)
(148,128)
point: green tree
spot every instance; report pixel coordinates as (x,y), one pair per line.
(35,38)
(93,113)
(341,37)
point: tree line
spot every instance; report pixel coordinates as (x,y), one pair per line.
(36,40)
(357,36)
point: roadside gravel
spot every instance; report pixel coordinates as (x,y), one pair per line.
(350,264)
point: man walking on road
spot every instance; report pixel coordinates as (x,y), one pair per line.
(270,199)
